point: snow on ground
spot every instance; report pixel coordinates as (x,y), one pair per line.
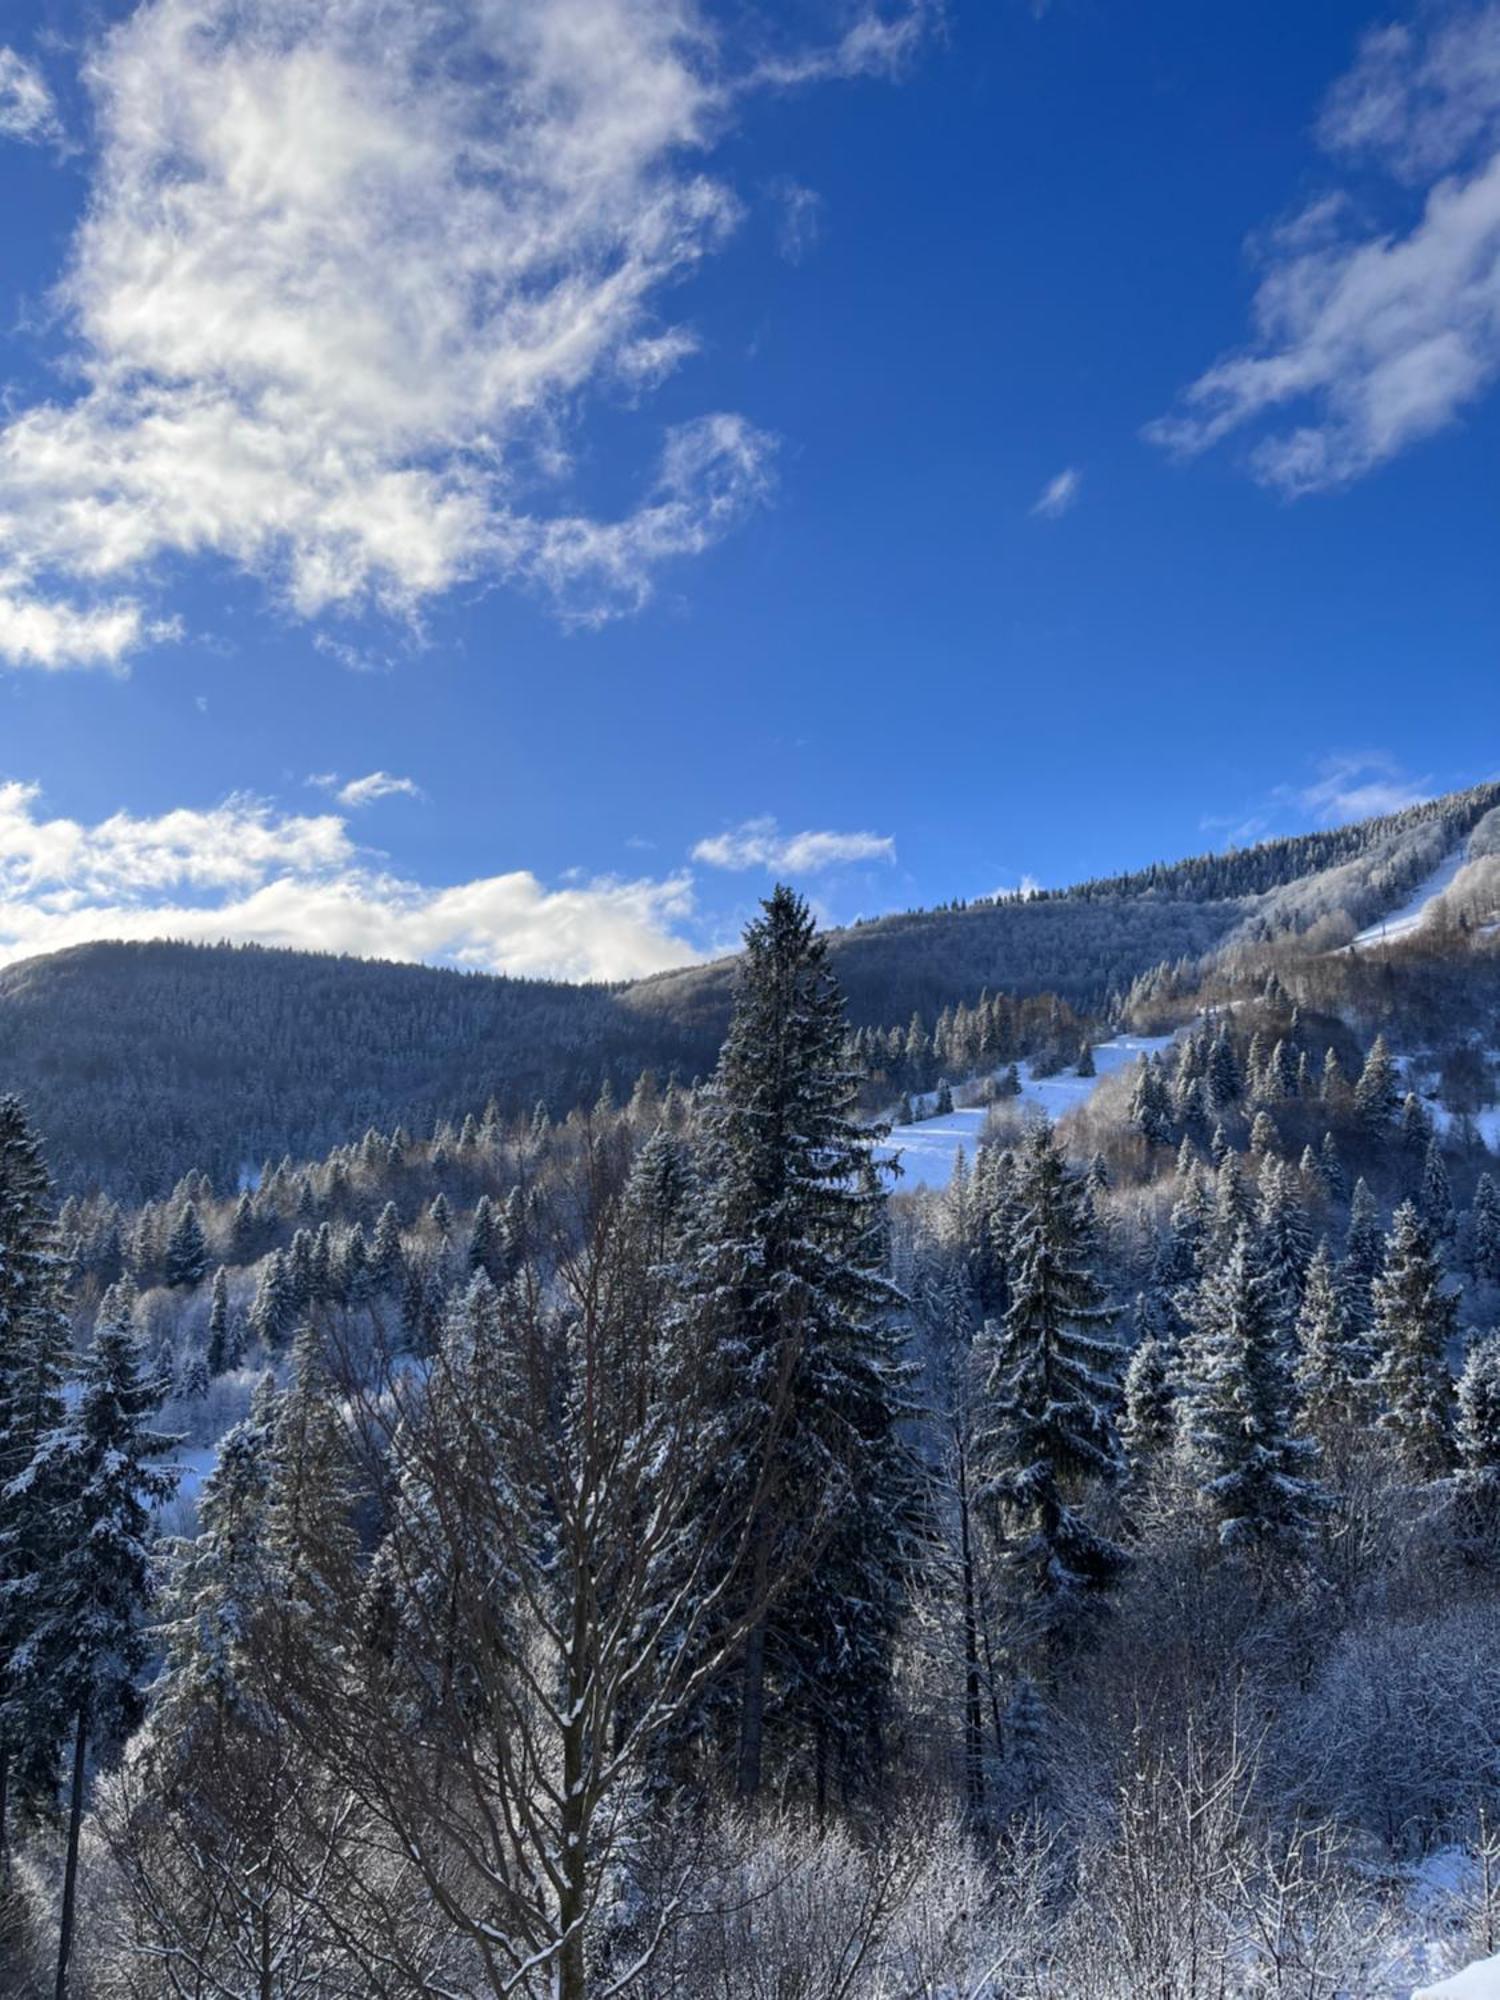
(1476,1982)
(927,1150)
(1414,911)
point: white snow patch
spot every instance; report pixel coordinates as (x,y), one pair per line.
(927,1151)
(1414,912)
(1475,1982)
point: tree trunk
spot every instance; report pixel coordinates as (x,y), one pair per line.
(70,1873)
(973,1685)
(267,1956)
(573,1819)
(753,1682)
(4,1810)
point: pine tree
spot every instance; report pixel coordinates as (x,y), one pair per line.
(1415,1318)
(193,1378)
(1046,1418)
(223,1342)
(1150,1110)
(484,1239)
(1223,1072)
(1436,1201)
(310,1538)
(1254,1474)
(1364,1259)
(1333,1361)
(1264,1137)
(244,1231)
(386,1253)
(1334,1178)
(1484,1231)
(790,1298)
(1477,1436)
(1285,1239)
(87,1644)
(273,1312)
(1146,1426)
(1375,1093)
(1234,1206)
(186,1257)
(33,1365)
(1085,1064)
(221,1587)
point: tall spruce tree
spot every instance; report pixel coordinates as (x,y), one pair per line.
(815,1383)
(1285,1238)
(1437,1195)
(33,1365)
(1255,1476)
(1415,1319)
(1375,1095)
(1045,1425)
(223,1341)
(1484,1231)
(186,1255)
(1363,1260)
(1333,1358)
(1146,1425)
(87,1645)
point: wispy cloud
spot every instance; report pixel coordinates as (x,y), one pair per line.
(27,110)
(241,870)
(1345,785)
(347,279)
(356,792)
(1059,494)
(1378,334)
(799,219)
(1360,784)
(759,843)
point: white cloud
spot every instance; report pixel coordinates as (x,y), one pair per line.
(1354,785)
(357,792)
(27,111)
(759,843)
(1381,336)
(347,277)
(1059,494)
(242,871)
(38,632)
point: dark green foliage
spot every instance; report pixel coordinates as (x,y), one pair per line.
(1254,1475)
(1045,1416)
(1416,1317)
(791,1298)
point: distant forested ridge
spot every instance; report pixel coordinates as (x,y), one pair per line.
(143,1061)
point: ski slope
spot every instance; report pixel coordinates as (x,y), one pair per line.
(926,1151)
(1414,912)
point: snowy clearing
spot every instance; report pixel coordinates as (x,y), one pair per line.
(1476,1982)
(1414,912)
(926,1151)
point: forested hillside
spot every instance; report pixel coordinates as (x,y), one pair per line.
(649,1553)
(142,1061)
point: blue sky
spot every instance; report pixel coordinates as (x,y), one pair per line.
(499,484)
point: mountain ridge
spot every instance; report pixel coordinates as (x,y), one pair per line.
(139,1060)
